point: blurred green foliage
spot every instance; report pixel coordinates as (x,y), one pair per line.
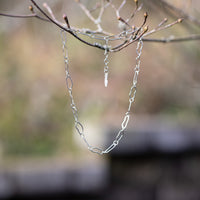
(34,119)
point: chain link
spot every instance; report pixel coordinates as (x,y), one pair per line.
(106,62)
(132,93)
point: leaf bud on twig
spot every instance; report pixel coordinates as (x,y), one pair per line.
(31,8)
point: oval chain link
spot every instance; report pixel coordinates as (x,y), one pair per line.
(132,93)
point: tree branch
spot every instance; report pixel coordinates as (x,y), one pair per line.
(65,29)
(180,12)
(168,40)
(126,37)
(23,16)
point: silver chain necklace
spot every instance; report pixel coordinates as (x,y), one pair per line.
(132,93)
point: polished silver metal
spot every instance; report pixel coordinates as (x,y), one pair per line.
(106,62)
(132,93)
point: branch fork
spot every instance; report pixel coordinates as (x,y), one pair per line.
(129,33)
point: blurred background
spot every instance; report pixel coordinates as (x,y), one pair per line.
(41,155)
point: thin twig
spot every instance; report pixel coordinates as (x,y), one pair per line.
(115,49)
(96,21)
(162,23)
(18,16)
(137,9)
(95,7)
(170,39)
(130,36)
(122,5)
(160,28)
(101,11)
(23,16)
(85,10)
(66,29)
(180,12)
